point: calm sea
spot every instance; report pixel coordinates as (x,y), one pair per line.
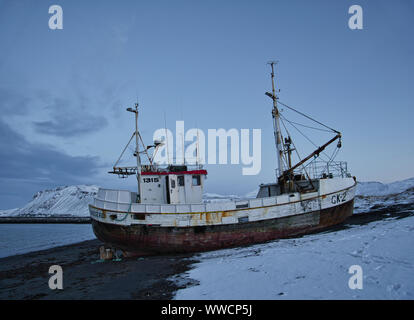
(23,238)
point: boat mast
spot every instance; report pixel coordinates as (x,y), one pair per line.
(136,153)
(276,122)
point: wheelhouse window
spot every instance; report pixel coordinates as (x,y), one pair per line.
(180,181)
(196,180)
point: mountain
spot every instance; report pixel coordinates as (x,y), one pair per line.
(373,188)
(73,200)
(376,195)
(58,202)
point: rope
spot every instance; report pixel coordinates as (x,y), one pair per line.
(303,125)
(296,150)
(329,158)
(303,135)
(124,150)
(306,116)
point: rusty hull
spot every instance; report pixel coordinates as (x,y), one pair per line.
(149,239)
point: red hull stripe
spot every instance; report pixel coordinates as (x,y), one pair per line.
(179,172)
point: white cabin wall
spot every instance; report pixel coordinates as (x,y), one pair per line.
(327,186)
(153,189)
(194,194)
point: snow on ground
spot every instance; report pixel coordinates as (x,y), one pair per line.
(312,267)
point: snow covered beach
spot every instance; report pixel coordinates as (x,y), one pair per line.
(312,267)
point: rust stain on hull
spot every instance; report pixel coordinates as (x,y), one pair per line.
(147,239)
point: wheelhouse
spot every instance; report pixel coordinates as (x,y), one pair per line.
(176,184)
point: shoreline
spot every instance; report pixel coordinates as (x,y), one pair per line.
(25,276)
(17,220)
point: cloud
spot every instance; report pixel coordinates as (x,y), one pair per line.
(12,103)
(69,121)
(29,167)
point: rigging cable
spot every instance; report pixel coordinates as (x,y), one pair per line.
(303,125)
(297,153)
(133,135)
(329,158)
(303,135)
(306,116)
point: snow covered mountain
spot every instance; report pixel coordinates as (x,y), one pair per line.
(58,202)
(374,188)
(376,195)
(73,200)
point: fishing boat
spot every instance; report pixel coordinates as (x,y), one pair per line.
(166,213)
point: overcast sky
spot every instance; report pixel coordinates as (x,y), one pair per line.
(63,93)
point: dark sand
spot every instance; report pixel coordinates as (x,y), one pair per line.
(86,277)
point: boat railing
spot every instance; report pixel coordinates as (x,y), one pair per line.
(120,201)
(323,170)
(332,169)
